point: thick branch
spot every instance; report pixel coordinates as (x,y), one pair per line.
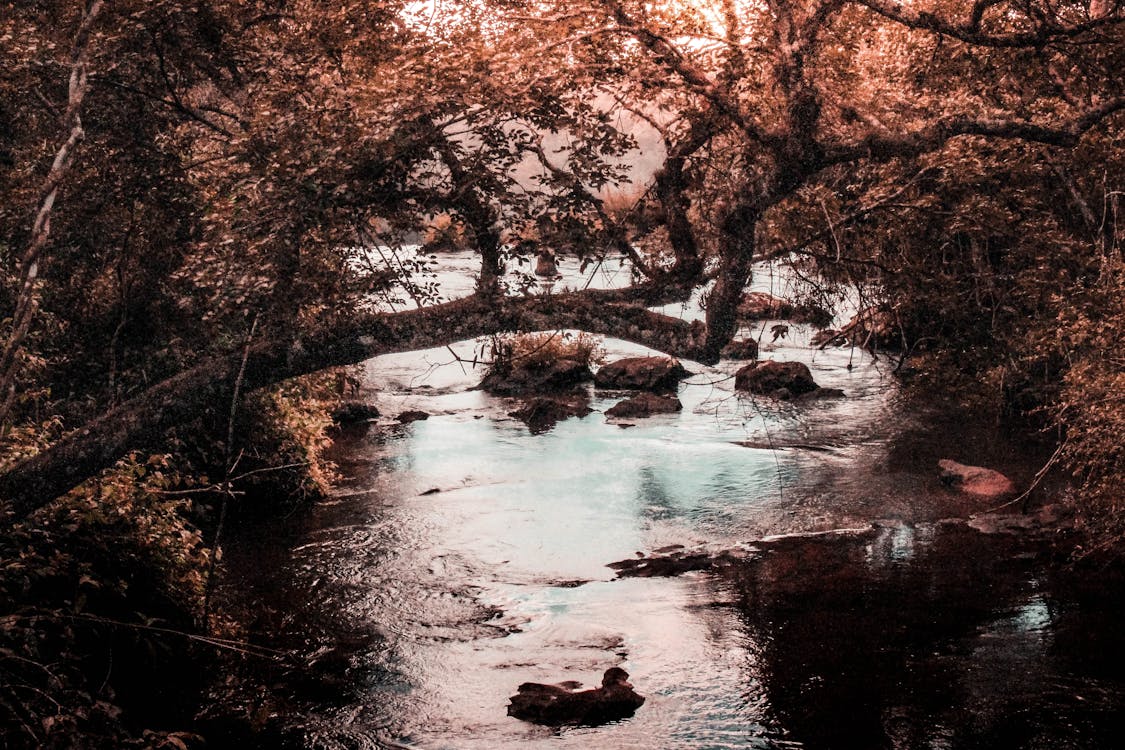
(724,102)
(182,398)
(890,145)
(1043,32)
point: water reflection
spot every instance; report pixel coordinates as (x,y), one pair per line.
(434,606)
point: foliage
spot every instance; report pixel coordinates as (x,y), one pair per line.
(1088,406)
(531,351)
(93,589)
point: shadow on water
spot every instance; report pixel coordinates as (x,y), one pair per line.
(932,637)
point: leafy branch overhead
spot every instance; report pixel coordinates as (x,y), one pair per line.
(248,162)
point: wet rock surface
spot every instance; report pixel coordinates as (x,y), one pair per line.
(561,374)
(975,480)
(354,412)
(778,379)
(559,704)
(412,415)
(658,374)
(644,405)
(544,412)
(741,349)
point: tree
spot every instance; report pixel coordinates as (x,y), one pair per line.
(311,135)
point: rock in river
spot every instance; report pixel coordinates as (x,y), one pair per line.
(354,412)
(556,705)
(556,375)
(542,413)
(644,405)
(641,373)
(976,480)
(742,349)
(770,377)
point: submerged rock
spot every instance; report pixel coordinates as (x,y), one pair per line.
(644,405)
(975,480)
(542,413)
(560,374)
(558,705)
(641,373)
(778,379)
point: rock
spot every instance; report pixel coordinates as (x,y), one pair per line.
(641,373)
(643,405)
(558,375)
(412,416)
(742,349)
(541,414)
(827,337)
(763,306)
(769,377)
(675,564)
(975,480)
(873,328)
(545,265)
(354,412)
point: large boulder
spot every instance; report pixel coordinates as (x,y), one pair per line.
(556,375)
(644,405)
(542,413)
(975,480)
(641,374)
(771,378)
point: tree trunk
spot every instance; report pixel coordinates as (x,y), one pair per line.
(143,420)
(27,301)
(736,249)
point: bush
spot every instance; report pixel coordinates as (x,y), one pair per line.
(535,350)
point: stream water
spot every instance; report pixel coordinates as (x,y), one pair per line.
(462,556)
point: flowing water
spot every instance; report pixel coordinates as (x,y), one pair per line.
(462,556)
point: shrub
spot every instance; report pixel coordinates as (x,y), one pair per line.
(534,350)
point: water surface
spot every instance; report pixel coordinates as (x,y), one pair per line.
(462,556)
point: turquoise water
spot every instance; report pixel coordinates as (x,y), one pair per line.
(869,620)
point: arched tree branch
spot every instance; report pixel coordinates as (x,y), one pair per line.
(144,419)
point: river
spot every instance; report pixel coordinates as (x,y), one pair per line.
(462,555)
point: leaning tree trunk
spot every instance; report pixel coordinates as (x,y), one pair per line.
(27,301)
(142,421)
(736,250)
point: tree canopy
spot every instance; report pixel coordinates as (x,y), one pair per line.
(178,169)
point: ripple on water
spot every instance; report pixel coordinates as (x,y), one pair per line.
(913,634)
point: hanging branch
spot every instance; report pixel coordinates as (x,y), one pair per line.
(27,301)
